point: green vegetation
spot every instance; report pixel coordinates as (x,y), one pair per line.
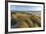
(26,20)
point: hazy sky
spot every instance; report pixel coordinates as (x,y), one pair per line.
(24,8)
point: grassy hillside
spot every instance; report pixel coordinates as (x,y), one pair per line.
(25,20)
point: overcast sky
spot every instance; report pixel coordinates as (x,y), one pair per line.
(24,8)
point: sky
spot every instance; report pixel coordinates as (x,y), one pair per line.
(24,8)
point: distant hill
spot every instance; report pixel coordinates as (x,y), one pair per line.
(38,13)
